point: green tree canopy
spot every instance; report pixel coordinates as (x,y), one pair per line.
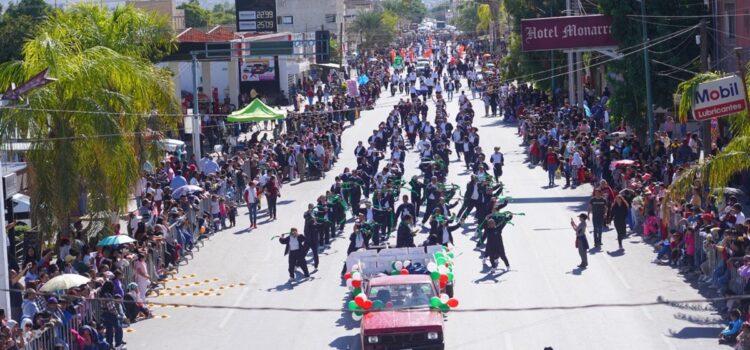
(376,27)
(195,15)
(410,10)
(18,24)
(627,76)
(90,129)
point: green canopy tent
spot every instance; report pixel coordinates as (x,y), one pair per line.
(256,111)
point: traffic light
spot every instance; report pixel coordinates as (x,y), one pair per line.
(322,54)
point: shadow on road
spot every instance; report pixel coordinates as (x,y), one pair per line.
(345,342)
(616,253)
(577,271)
(696,333)
(704,321)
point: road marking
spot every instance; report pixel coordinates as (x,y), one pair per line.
(237,303)
(508,341)
(617,274)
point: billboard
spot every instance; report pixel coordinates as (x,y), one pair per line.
(258,70)
(571,32)
(255,15)
(719,98)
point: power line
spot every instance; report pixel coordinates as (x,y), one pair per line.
(660,301)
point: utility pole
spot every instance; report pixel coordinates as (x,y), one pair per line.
(647,64)
(341,43)
(571,77)
(196,112)
(706,124)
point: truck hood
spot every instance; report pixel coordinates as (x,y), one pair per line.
(384,320)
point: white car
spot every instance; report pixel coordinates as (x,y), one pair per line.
(422,64)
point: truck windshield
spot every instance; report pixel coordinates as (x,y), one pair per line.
(403,296)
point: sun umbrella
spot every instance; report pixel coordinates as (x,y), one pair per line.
(186,190)
(64,282)
(115,240)
(621,163)
(729,191)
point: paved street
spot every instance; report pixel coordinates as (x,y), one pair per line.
(248,269)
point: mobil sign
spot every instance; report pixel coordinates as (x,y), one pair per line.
(719,98)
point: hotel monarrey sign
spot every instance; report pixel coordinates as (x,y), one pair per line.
(719,98)
(571,32)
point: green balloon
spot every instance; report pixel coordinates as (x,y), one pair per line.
(358,313)
(352,305)
(395,272)
(435,302)
(435,275)
(356,291)
(450,276)
(440,261)
(444,307)
(377,304)
(450,254)
(439,255)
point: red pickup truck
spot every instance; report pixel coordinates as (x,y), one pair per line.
(406,321)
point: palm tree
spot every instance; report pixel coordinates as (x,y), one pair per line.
(713,171)
(87,129)
(374,28)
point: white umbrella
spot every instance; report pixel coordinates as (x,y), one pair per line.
(64,282)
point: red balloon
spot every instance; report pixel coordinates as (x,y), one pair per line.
(359,299)
(443,284)
(356,283)
(367,304)
(404,271)
(452,302)
(347,275)
(443,279)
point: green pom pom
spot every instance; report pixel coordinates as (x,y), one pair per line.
(435,275)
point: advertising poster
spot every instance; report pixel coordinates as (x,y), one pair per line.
(258,70)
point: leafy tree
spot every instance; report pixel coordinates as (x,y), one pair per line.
(628,99)
(90,128)
(411,10)
(222,14)
(466,19)
(377,28)
(195,15)
(18,24)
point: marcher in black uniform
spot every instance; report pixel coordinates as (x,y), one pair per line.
(404,234)
(442,233)
(493,233)
(498,160)
(417,188)
(311,231)
(296,249)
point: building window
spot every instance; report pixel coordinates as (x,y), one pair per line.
(730,20)
(331,18)
(285,20)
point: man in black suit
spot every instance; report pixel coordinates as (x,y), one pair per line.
(296,249)
(310,230)
(360,150)
(404,234)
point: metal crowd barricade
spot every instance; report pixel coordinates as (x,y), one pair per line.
(45,341)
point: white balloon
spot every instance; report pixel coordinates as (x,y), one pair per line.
(431,266)
(355,267)
(398,265)
(349,283)
(356,317)
(442,269)
(407,263)
(444,298)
